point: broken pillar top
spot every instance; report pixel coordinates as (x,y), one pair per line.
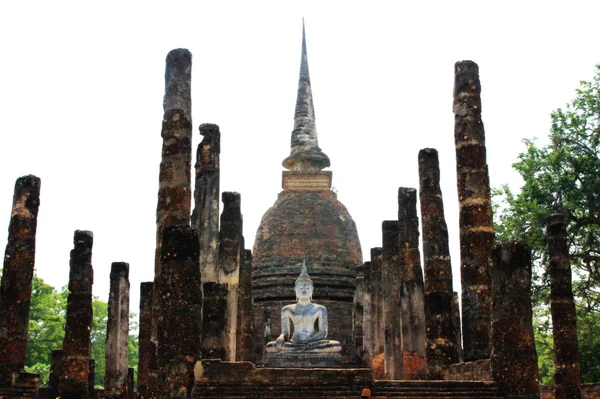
(467,89)
(119,270)
(178,74)
(305,155)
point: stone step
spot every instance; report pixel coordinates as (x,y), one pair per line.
(453,392)
(430,397)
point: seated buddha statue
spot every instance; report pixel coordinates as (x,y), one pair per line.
(304,316)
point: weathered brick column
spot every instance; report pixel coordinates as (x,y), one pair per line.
(74,383)
(180,312)
(475,209)
(231,246)
(15,289)
(91,378)
(245,325)
(174,185)
(214,321)
(117,332)
(367,320)
(147,367)
(456,325)
(52,390)
(441,343)
(205,217)
(358,314)
(377,325)
(513,358)
(413,291)
(567,378)
(174,180)
(392,323)
(130,383)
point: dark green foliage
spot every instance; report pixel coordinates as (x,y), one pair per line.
(46,322)
(563,176)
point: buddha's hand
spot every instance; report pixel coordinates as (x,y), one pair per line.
(318,336)
(279,341)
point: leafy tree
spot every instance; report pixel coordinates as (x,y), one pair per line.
(563,176)
(46,322)
(98,337)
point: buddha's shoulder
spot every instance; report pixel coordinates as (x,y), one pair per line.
(319,307)
(288,308)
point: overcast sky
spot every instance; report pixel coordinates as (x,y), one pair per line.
(81,87)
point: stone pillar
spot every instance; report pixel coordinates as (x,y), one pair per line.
(567,378)
(117,332)
(92,378)
(205,218)
(174,181)
(514,359)
(147,367)
(392,286)
(130,383)
(74,383)
(413,292)
(367,320)
(456,326)
(180,312)
(377,325)
(52,390)
(245,327)
(231,246)
(475,211)
(15,289)
(358,315)
(174,186)
(214,321)
(441,343)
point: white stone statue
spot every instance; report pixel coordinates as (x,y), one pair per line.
(304,315)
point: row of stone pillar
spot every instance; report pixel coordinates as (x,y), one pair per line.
(393,303)
(73,361)
(217,319)
(408,327)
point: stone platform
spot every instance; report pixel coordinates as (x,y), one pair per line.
(295,360)
(214,378)
(243,380)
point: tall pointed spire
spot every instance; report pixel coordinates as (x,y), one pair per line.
(305,154)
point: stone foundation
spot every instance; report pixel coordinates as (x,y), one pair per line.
(216,372)
(479,370)
(292,360)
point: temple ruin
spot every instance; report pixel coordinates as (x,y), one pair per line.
(214,307)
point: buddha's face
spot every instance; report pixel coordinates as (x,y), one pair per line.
(304,290)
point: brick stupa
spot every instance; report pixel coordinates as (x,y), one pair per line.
(306,222)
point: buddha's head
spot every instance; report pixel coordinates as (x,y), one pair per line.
(304,285)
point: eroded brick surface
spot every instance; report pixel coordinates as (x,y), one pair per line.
(205,217)
(74,382)
(412,293)
(475,211)
(117,332)
(17,275)
(567,379)
(513,359)
(441,342)
(178,322)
